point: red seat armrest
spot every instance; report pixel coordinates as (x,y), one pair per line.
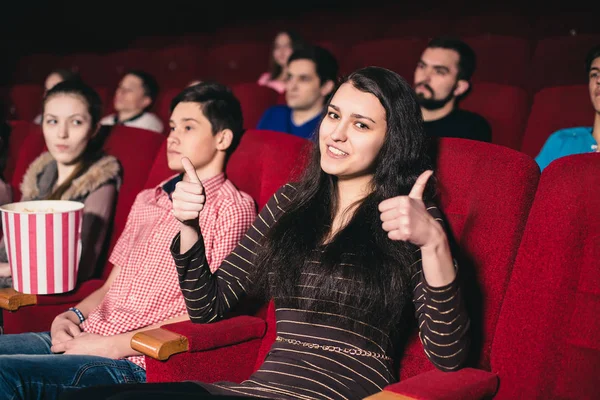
(228,332)
(464,384)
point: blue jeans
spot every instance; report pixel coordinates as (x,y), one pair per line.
(29,370)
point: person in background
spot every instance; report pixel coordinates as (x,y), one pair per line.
(285,43)
(74,168)
(312,73)
(582,139)
(442,78)
(55,77)
(133,99)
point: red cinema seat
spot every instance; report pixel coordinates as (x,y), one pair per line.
(561,61)
(493,52)
(504,107)
(553,109)
(547,345)
(254,100)
(398,55)
(238,62)
(25,101)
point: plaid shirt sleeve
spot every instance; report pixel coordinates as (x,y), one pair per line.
(233,221)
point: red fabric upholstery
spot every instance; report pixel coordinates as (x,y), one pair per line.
(465,384)
(91,66)
(492,54)
(207,366)
(160,168)
(220,334)
(486,192)
(162,106)
(237,62)
(254,100)
(34,68)
(26,100)
(265,160)
(176,66)
(135,166)
(553,109)
(33,145)
(398,55)
(566,55)
(19,131)
(504,107)
(39,317)
(547,343)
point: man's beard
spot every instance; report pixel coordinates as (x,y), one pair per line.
(433,103)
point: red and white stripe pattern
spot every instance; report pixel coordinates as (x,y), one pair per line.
(43,249)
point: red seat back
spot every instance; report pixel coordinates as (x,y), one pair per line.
(136,150)
(160,168)
(547,345)
(560,61)
(553,109)
(238,62)
(26,101)
(493,52)
(504,107)
(262,162)
(254,100)
(19,131)
(265,160)
(486,192)
(398,55)
(33,145)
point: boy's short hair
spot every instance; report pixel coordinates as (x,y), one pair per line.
(467,58)
(149,83)
(591,56)
(325,62)
(219,105)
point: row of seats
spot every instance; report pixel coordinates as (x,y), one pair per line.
(531,64)
(528,257)
(517,120)
(527,249)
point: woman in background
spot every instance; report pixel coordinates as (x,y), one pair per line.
(74,168)
(285,43)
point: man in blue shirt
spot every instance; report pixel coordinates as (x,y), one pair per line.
(579,139)
(312,73)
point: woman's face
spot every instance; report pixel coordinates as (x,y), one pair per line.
(67,127)
(352,133)
(282,49)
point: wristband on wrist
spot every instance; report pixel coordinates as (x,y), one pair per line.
(78,313)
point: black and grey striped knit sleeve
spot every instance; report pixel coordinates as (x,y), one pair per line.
(209,296)
(442,317)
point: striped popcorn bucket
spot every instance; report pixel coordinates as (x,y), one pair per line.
(43,243)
